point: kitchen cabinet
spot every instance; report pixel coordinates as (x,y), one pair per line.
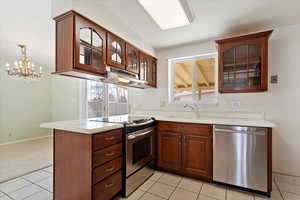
(87,166)
(169,149)
(144,66)
(115,51)
(197,155)
(84,49)
(148,69)
(243,63)
(80,47)
(132,59)
(153,72)
(185,148)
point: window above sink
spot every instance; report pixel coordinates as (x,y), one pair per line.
(193,79)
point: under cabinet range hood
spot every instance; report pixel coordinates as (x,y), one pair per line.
(120,77)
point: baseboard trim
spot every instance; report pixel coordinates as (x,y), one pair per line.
(25,140)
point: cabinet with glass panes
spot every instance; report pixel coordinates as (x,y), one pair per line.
(80,47)
(243,63)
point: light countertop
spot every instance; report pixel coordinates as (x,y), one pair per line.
(92,127)
(218,121)
(81,126)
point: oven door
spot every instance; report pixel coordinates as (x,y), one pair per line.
(139,149)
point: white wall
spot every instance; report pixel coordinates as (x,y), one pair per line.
(23,106)
(281,103)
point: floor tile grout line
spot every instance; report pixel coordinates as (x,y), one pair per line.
(278,188)
(6,194)
(30,183)
(32,195)
(176,187)
(200,190)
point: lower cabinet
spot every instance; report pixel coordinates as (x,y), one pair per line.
(169,149)
(197,155)
(87,167)
(185,148)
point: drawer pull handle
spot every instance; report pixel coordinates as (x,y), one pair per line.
(110,154)
(109,185)
(110,169)
(110,138)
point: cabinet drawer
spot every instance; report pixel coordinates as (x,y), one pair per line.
(196,129)
(107,154)
(169,127)
(103,140)
(108,188)
(106,170)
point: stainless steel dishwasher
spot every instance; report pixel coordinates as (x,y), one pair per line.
(240,156)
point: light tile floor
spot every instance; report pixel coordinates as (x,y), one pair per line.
(161,186)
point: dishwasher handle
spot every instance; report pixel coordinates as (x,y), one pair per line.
(260,132)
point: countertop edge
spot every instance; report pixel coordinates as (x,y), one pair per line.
(220,121)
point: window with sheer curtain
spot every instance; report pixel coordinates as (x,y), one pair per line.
(105,99)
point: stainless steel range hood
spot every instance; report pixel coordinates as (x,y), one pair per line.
(120,77)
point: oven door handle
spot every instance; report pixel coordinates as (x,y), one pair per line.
(133,136)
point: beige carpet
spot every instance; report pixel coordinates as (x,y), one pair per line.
(22,158)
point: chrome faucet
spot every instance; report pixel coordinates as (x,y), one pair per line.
(194,108)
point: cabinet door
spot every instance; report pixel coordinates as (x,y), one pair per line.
(169,150)
(242,66)
(144,67)
(132,59)
(90,53)
(153,71)
(115,51)
(197,155)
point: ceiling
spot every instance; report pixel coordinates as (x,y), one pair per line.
(214,19)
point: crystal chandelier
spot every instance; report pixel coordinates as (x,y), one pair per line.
(24,68)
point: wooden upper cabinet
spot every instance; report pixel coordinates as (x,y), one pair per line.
(144,66)
(196,155)
(243,63)
(153,72)
(84,49)
(90,46)
(80,47)
(148,69)
(169,150)
(116,54)
(132,59)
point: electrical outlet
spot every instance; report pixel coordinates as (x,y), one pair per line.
(274,79)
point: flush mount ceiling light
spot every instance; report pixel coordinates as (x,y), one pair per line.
(168,13)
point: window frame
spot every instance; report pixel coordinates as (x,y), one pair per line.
(173,61)
(83,99)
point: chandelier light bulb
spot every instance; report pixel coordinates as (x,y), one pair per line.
(24,68)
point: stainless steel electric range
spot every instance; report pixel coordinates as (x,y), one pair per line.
(138,145)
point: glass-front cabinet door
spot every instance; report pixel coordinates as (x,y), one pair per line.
(144,67)
(132,59)
(242,67)
(115,51)
(90,46)
(243,63)
(153,72)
